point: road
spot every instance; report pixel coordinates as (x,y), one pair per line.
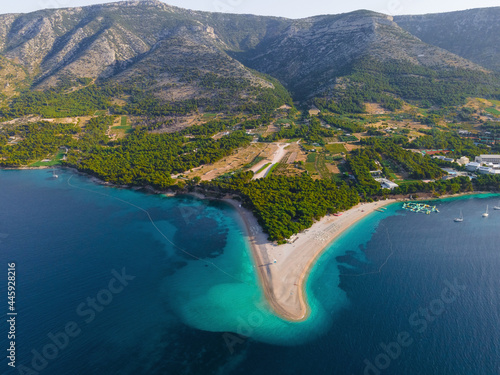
(277,156)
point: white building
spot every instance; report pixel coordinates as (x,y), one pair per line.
(386,184)
(471,167)
(463,160)
(484,170)
(495,159)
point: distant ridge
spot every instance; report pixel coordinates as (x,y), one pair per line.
(472,34)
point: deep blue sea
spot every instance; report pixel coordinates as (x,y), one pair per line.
(115,281)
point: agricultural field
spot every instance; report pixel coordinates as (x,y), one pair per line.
(120,131)
(350,146)
(350,138)
(321,167)
(311,170)
(127,128)
(493,111)
(330,139)
(120,128)
(208,116)
(311,158)
(335,148)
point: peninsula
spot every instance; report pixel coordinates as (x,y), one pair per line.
(283,270)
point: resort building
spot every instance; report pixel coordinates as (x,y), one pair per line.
(472,167)
(495,159)
(463,160)
(441,157)
(386,184)
(484,170)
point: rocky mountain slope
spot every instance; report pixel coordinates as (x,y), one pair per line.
(310,54)
(472,34)
(180,55)
(145,44)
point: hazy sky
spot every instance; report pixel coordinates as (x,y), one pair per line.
(284,8)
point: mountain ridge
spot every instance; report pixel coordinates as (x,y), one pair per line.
(178,55)
(471,33)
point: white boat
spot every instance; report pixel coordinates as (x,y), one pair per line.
(497,207)
(54,174)
(460,218)
(486,214)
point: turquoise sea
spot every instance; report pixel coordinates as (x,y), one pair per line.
(115,281)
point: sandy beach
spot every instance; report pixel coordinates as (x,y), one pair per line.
(283,269)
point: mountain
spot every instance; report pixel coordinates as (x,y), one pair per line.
(146,45)
(472,34)
(162,59)
(310,54)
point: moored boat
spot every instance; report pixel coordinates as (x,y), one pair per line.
(497,207)
(486,214)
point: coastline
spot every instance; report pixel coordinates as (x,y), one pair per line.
(172,193)
(283,270)
(283,282)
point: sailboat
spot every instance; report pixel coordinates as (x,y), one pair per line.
(486,214)
(497,207)
(54,174)
(460,218)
